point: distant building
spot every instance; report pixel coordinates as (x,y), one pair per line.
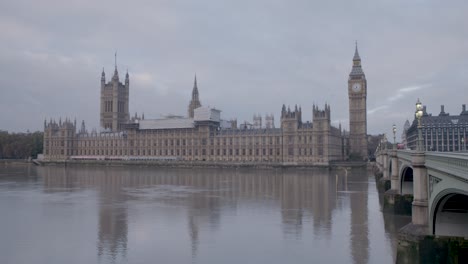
(443,132)
(404,140)
(204,136)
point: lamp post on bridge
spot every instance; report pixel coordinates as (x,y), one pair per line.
(419,114)
(463,144)
(394,136)
(384,141)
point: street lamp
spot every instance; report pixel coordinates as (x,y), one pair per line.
(463,143)
(419,114)
(385,141)
(394,136)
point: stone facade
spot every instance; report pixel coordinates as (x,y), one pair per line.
(202,138)
(296,142)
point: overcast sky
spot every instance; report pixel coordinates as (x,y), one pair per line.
(250,56)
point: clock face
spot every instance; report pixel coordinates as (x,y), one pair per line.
(356,87)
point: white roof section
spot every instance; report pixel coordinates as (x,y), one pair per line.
(167,123)
(207,114)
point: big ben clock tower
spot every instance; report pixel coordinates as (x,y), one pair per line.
(357,93)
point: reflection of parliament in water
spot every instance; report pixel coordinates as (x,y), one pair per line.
(204,136)
(301,195)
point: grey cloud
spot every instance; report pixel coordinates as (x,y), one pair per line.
(250,56)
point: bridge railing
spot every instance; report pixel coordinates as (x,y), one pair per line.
(452,163)
(404,155)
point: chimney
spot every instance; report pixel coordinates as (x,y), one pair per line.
(464,107)
(442,112)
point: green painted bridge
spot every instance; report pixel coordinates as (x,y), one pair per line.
(438,182)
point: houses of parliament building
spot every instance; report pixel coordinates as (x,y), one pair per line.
(204,137)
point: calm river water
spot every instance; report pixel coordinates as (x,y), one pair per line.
(151,215)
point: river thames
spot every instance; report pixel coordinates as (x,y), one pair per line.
(153,215)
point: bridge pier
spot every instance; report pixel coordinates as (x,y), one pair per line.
(394,201)
(420,212)
(383,183)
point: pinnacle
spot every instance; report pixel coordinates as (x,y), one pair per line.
(356,53)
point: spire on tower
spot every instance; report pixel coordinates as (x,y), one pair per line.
(116,73)
(356,71)
(103,76)
(195,102)
(195,89)
(356,53)
(127,79)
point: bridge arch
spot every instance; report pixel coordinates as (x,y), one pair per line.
(406,180)
(449,216)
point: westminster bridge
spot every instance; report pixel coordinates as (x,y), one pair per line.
(438,182)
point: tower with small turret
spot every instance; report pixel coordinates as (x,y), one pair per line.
(321,131)
(114,101)
(291,122)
